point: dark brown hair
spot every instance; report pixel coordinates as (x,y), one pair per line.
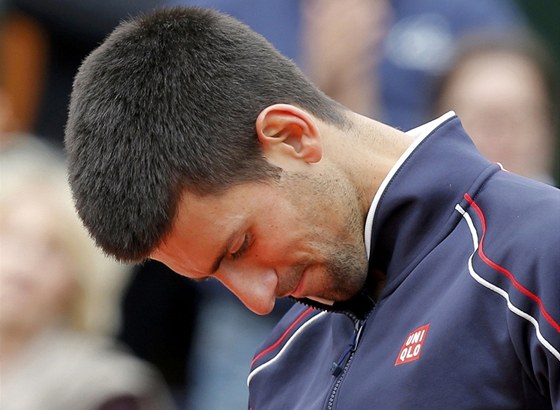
(168,104)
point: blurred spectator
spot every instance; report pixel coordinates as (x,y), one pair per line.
(503,87)
(58,298)
(42,44)
(340,49)
(419,45)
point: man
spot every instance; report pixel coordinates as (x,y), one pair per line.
(427,276)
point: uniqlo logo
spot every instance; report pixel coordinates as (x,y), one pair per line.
(412,346)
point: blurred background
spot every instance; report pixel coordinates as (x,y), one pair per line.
(173,343)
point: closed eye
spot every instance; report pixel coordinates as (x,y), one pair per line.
(242,248)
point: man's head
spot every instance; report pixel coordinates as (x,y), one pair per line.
(167,105)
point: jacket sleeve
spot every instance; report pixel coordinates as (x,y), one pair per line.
(534,300)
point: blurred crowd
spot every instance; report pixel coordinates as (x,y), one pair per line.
(58,299)
(78,331)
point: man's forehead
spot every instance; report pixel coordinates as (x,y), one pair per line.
(200,236)
(178,262)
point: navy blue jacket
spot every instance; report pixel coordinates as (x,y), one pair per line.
(469,317)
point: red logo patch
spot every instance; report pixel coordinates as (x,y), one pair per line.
(412,346)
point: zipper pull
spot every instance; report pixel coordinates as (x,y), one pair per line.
(338,366)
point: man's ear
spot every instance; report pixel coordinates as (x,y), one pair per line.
(288,130)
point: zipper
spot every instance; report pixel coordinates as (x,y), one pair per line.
(340,367)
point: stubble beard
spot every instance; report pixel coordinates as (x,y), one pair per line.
(345,271)
(345,260)
(344,256)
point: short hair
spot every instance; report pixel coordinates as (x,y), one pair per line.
(167,104)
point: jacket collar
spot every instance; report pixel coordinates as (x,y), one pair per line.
(414,207)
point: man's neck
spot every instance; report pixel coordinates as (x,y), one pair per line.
(366,153)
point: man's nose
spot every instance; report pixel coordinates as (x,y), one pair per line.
(256,288)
